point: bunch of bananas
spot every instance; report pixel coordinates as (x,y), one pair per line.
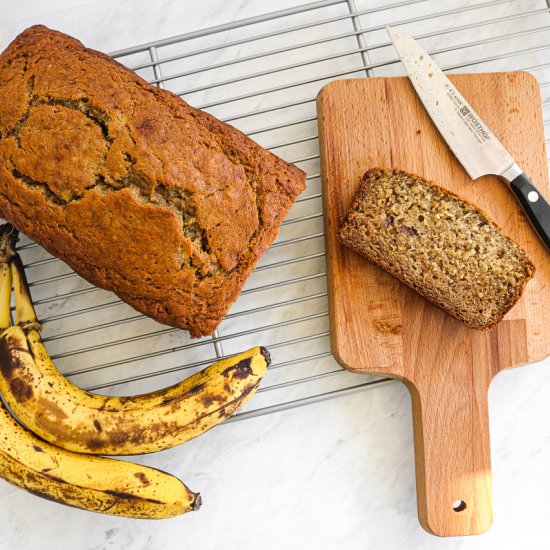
(65,425)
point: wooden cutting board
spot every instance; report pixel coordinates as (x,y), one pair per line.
(380,326)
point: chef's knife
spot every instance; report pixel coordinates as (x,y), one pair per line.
(470,139)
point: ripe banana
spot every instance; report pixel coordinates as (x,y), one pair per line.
(94,483)
(69,417)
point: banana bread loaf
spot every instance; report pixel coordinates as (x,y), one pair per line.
(138,192)
(437,243)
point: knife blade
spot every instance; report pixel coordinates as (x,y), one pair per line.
(470,139)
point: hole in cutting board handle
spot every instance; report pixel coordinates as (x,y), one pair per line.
(459,505)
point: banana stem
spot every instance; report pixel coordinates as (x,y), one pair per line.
(24,309)
(8,238)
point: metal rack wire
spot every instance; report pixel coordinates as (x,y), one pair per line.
(104,345)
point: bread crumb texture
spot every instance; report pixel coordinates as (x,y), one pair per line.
(137,191)
(440,245)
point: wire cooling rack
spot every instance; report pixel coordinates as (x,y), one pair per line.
(262,75)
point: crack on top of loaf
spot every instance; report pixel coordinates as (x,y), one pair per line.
(14,132)
(82,105)
(40,186)
(129,159)
(236,158)
(176,198)
(180,200)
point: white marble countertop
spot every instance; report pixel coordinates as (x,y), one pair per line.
(337,474)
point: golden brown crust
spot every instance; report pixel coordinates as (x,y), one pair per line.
(349,237)
(137,191)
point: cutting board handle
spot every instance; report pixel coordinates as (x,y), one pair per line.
(453,467)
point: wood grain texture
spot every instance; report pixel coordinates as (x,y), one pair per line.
(380,326)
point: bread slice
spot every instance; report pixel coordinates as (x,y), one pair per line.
(437,243)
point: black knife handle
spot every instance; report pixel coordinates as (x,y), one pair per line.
(535,206)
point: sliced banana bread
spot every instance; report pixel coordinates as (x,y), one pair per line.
(437,243)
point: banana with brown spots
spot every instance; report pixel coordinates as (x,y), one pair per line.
(93,483)
(69,417)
